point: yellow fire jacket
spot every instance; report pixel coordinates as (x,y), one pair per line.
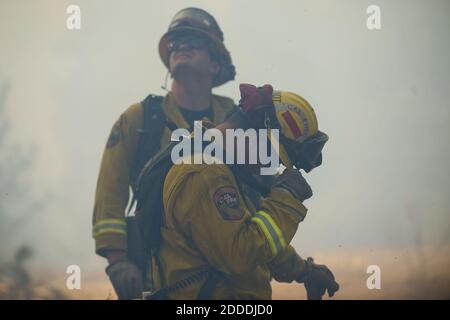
(209,222)
(113,184)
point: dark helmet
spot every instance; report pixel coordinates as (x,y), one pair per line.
(199,22)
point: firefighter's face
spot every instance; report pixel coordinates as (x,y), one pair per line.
(191,54)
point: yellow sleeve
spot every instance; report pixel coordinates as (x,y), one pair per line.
(287,266)
(112,193)
(210,210)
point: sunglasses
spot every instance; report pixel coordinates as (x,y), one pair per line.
(190,42)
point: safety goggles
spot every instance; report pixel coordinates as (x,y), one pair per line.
(191,42)
(306,155)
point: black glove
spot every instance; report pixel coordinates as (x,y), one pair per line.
(126,279)
(293,181)
(317,278)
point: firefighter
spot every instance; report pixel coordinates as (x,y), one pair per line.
(194,53)
(215,242)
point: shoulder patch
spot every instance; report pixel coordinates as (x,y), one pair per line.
(227,202)
(114,136)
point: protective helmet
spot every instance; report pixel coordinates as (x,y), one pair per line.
(199,22)
(301,142)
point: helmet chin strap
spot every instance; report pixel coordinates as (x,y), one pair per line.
(164,86)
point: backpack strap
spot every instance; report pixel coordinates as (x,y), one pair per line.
(149,136)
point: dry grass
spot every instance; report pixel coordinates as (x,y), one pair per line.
(405,274)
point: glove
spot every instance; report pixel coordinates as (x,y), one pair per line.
(317,278)
(256,103)
(293,181)
(126,279)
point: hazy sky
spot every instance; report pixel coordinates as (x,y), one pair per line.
(382,96)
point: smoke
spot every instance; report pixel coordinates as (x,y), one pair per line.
(382,97)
